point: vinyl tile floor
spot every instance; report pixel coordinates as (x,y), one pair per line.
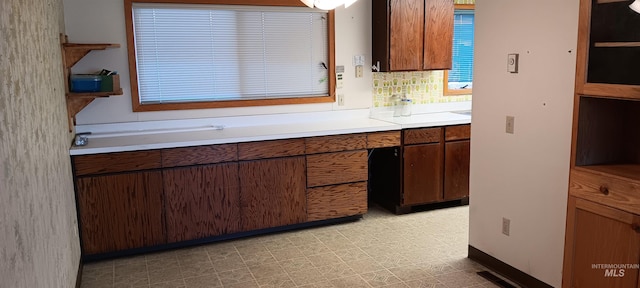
(422,249)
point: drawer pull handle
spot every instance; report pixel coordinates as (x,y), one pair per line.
(604,189)
(635,227)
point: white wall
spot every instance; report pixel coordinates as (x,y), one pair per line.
(39,245)
(524,176)
(101,21)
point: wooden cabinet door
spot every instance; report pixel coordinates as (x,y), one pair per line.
(456,170)
(120,212)
(272,192)
(406,34)
(201,201)
(422,174)
(438,34)
(598,234)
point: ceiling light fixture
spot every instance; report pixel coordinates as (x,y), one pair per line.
(635,6)
(332,4)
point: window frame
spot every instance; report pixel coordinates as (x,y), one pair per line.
(133,72)
(457,92)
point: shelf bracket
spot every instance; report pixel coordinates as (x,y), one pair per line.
(71,54)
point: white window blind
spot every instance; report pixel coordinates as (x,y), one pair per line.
(194,53)
(461,74)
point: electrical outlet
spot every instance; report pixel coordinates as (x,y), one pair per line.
(506,226)
(339,81)
(359,71)
(340,99)
(510,125)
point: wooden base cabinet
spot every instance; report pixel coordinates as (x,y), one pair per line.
(422,174)
(438,171)
(120,212)
(456,169)
(431,166)
(600,235)
(337,174)
(272,192)
(201,201)
(131,201)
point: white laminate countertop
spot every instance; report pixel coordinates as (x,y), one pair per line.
(427,119)
(121,137)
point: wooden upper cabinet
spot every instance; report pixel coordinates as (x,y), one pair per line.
(406,34)
(410,35)
(608,50)
(438,34)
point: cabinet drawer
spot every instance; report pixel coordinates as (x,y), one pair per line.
(270,149)
(210,154)
(116,162)
(622,194)
(335,143)
(336,201)
(336,168)
(461,132)
(422,135)
(383,139)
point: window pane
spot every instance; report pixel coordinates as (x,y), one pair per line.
(461,74)
(188,53)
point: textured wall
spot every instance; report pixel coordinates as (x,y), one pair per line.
(38,243)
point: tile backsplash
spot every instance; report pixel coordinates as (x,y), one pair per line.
(423,87)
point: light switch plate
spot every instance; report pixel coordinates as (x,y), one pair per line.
(510,124)
(512,63)
(506,226)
